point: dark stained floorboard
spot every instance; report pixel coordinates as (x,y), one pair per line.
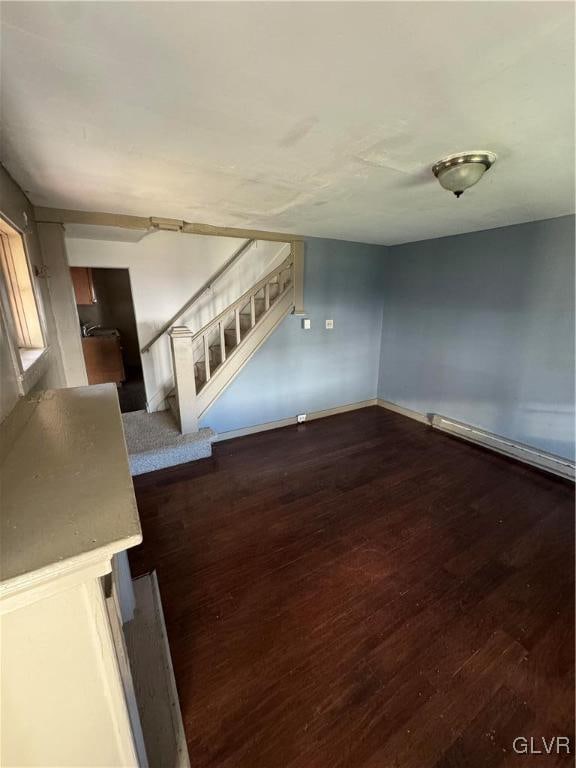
(363,592)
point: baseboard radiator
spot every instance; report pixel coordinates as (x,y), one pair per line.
(541,459)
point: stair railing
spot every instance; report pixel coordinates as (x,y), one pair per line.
(199,293)
(184,342)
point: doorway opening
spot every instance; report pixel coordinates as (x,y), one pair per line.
(108,329)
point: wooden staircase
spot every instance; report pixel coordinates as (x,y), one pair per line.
(219,352)
(207,361)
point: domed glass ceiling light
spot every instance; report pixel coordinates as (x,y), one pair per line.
(462,170)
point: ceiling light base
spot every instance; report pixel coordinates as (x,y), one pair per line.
(462,170)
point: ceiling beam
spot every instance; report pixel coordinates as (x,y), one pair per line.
(65,216)
(250,234)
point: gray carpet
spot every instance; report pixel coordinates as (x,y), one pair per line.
(154,442)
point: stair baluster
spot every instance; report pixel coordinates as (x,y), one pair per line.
(207,356)
(237,319)
(222,342)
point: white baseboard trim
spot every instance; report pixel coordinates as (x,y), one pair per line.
(153,676)
(158,402)
(525,453)
(291,420)
(519,451)
(416,415)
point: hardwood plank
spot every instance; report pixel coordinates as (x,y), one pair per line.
(363,591)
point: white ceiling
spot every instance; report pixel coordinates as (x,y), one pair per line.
(313,118)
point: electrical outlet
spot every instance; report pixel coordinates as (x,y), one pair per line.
(306,323)
(301,417)
(329,324)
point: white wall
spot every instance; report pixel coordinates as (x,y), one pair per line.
(166,268)
(63,301)
(9,391)
(15,206)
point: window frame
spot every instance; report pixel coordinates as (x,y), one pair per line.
(27,375)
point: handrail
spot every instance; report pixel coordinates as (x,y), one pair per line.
(286,264)
(207,285)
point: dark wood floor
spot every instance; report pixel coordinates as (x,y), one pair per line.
(361,591)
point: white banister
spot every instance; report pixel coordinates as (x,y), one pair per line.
(297,252)
(239,304)
(184,378)
(208,285)
(185,343)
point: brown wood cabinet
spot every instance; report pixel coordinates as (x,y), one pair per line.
(103,358)
(83,285)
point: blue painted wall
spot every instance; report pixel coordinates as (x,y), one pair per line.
(480,328)
(297,371)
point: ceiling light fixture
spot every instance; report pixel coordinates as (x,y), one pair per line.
(463,169)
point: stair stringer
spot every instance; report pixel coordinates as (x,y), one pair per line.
(227,371)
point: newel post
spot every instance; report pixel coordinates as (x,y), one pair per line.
(184,379)
(297,248)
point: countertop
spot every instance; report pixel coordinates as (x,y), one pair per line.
(66,496)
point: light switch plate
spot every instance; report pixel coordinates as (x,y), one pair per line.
(329,324)
(306,323)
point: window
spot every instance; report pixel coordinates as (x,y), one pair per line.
(20,297)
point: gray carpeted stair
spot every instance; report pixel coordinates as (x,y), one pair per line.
(155,442)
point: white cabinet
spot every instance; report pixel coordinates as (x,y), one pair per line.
(68,508)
